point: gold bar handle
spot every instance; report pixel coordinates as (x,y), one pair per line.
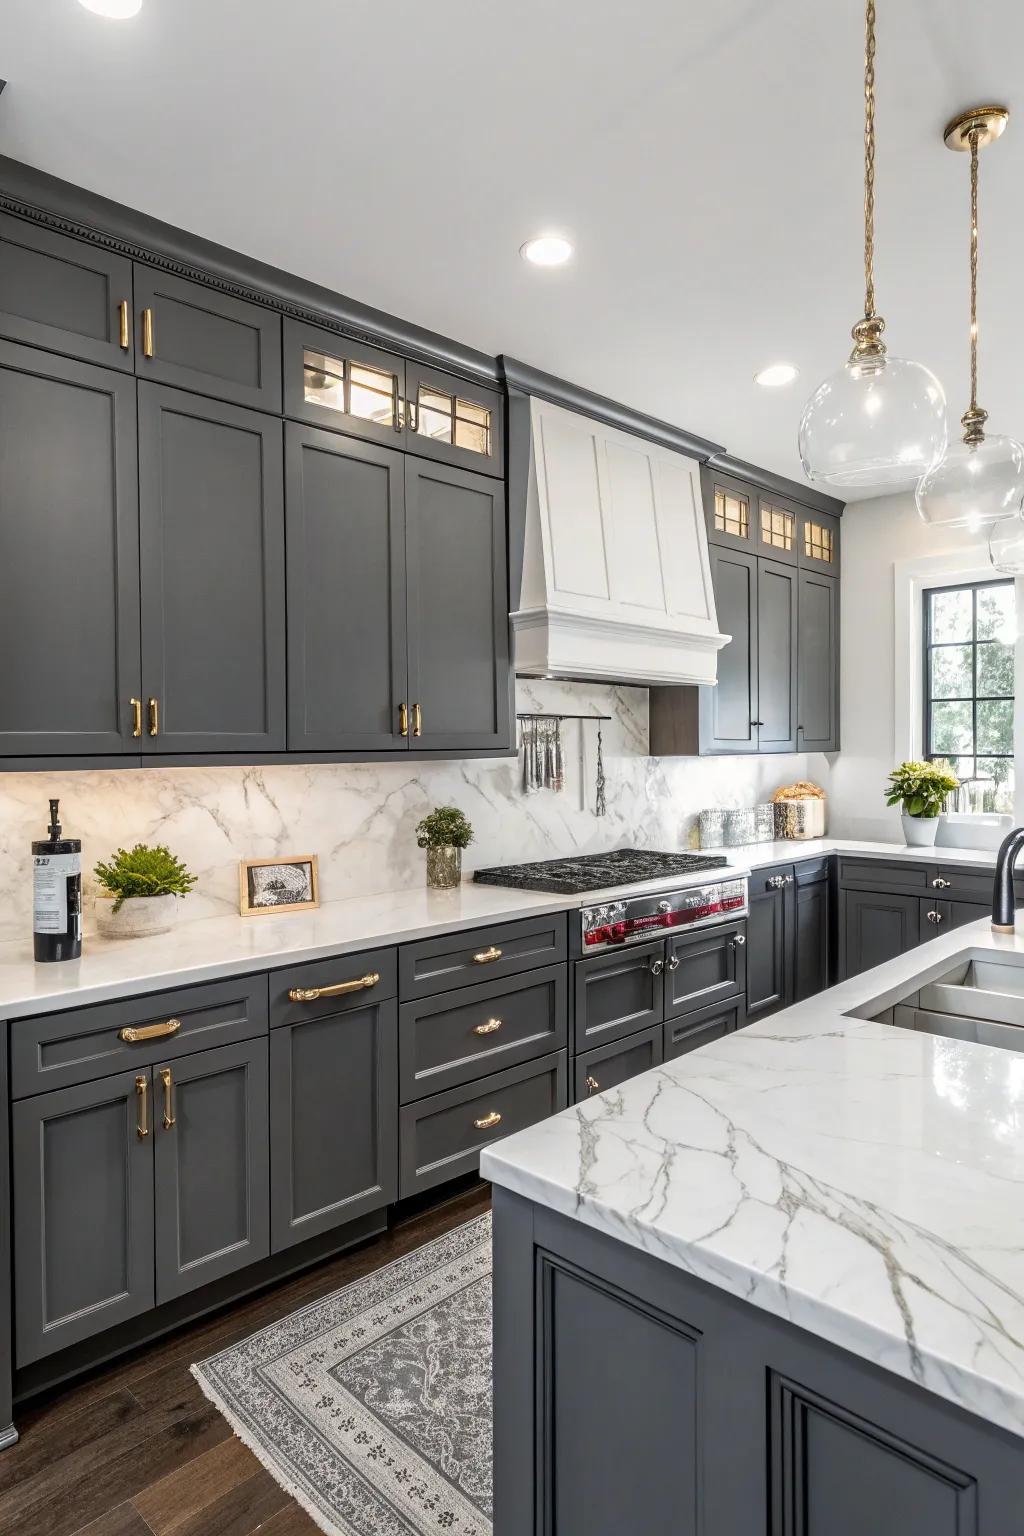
(165,1078)
(136,717)
(339,989)
(148,348)
(417,720)
(403,720)
(141,1089)
(486,956)
(125,335)
(133,1035)
(154,717)
(488,1122)
(490,1028)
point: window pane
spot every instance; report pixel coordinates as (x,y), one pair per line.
(952,676)
(963,767)
(995,667)
(323,380)
(951,615)
(998,796)
(951,729)
(777,528)
(470,434)
(996,618)
(995,725)
(817,542)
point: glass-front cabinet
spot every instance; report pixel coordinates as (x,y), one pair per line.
(453,420)
(741,516)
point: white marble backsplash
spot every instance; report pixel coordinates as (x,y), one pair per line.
(360,819)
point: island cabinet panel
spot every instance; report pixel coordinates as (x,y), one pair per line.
(82,1172)
(876,926)
(618,993)
(65,295)
(69,572)
(211,1166)
(609,1065)
(770,941)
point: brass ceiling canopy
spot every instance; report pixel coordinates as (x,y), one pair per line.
(987,122)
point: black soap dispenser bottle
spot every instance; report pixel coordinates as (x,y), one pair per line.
(57,893)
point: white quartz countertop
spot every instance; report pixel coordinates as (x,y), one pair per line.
(865,1182)
(231,945)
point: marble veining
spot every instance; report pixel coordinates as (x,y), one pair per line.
(865,1182)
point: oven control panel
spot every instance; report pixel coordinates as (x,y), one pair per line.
(633,918)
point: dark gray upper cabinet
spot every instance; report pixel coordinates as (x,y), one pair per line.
(348,386)
(347,634)
(459,674)
(770,941)
(212,560)
(197,338)
(728,712)
(450,419)
(818,668)
(777,605)
(69,571)
(818,542)
(211,1166)
(64,295)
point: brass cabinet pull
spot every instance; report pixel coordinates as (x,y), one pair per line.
(485,956)
(403,720)
(165,1078)
(417,720)
(132,1035)
(136,717)
(941,885)
(593,1086)
(125,337)
(147,333)
(339,989)
(490,1028)
(154,717)
(141,1089)
(488,1122)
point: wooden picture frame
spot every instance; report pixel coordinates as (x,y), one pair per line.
(256,890)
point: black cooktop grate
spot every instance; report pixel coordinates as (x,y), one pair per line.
(595,871)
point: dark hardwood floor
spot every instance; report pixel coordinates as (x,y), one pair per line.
(135,1449)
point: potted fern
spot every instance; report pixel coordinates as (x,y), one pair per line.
(920,789)
(139,891)
(444,834)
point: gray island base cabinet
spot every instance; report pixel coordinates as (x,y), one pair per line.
(631,1397)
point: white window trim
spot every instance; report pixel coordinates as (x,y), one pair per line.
(912,579)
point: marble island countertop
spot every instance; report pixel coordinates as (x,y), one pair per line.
(863,1181)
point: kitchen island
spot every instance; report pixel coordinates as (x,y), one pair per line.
(777,1285)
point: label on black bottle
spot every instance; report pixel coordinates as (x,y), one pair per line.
(51,873)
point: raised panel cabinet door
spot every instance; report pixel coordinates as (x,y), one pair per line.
(69,557)
(813,914)
(818,663)
(609,1065)
(875,926)
(770,941)
(777,604)
(196,338)
(65,295)
(82,1180)
(347,661)
(212,531)
(704,968)
(617,993)
(450,419)
(728,712)
(211,1166)
(460,677)
(348,386)
(333,1120)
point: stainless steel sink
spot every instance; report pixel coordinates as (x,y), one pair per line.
(979,997)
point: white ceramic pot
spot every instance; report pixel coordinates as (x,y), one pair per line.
(138,917)
(919,831)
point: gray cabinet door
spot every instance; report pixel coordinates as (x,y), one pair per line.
(83,1211)
(333,1120)
(452,420)
(690,1031)
(65,295)
(876,926)
(69,556)
(196,338)
(813,927)
(348,386)
(618,993)
(609,1065)
(211,1166)
(777,593)
(347,653)
(460,680)
(728,712)
(212,532)
(705,968)
(770,942)
(818,636)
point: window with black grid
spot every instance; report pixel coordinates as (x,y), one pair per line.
(969,637)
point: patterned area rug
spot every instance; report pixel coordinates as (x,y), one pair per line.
(372,1407)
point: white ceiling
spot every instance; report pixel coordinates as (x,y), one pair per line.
(706,160)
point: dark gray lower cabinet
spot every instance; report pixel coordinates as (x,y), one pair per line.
(770,950)
(614,1063)
(83,1211)
(812,924)
(211,1166)
(705,968)
(691,1030)
(877,926)
(618,993)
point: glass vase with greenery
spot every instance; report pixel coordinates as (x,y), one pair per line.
(920,789)
(444,833)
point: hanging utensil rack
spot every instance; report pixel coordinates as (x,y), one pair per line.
(600,802)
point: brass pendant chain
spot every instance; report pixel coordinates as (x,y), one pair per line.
(867,333)
(974,418)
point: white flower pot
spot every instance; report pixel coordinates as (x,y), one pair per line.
(138,917)
(919,831)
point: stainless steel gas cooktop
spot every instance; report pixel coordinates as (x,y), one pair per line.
(599,871)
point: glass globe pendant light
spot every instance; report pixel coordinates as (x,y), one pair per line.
(981,478)
(879,422)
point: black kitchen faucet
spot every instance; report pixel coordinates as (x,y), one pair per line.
(1003,907)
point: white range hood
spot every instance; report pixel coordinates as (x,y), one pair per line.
(616,577)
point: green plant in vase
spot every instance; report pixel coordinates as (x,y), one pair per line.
(920,789)
(144,884)
(444,833)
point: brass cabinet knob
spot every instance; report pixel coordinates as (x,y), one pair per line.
(486,956)
(135,1034)
(489,1028)
(488,1122)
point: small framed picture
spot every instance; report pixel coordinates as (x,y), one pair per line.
(278,885)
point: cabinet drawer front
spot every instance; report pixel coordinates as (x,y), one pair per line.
(460,959)
(705,968)
(457,1037)
(609,1065)
(206,341)
(442,1137)
(952,884)
(695,1029)
(873,875)
(88,1043)
(354,973)
(64,294)
(619,993)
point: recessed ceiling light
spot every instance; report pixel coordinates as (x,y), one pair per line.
(547,250)
(118,9)
(775,375)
